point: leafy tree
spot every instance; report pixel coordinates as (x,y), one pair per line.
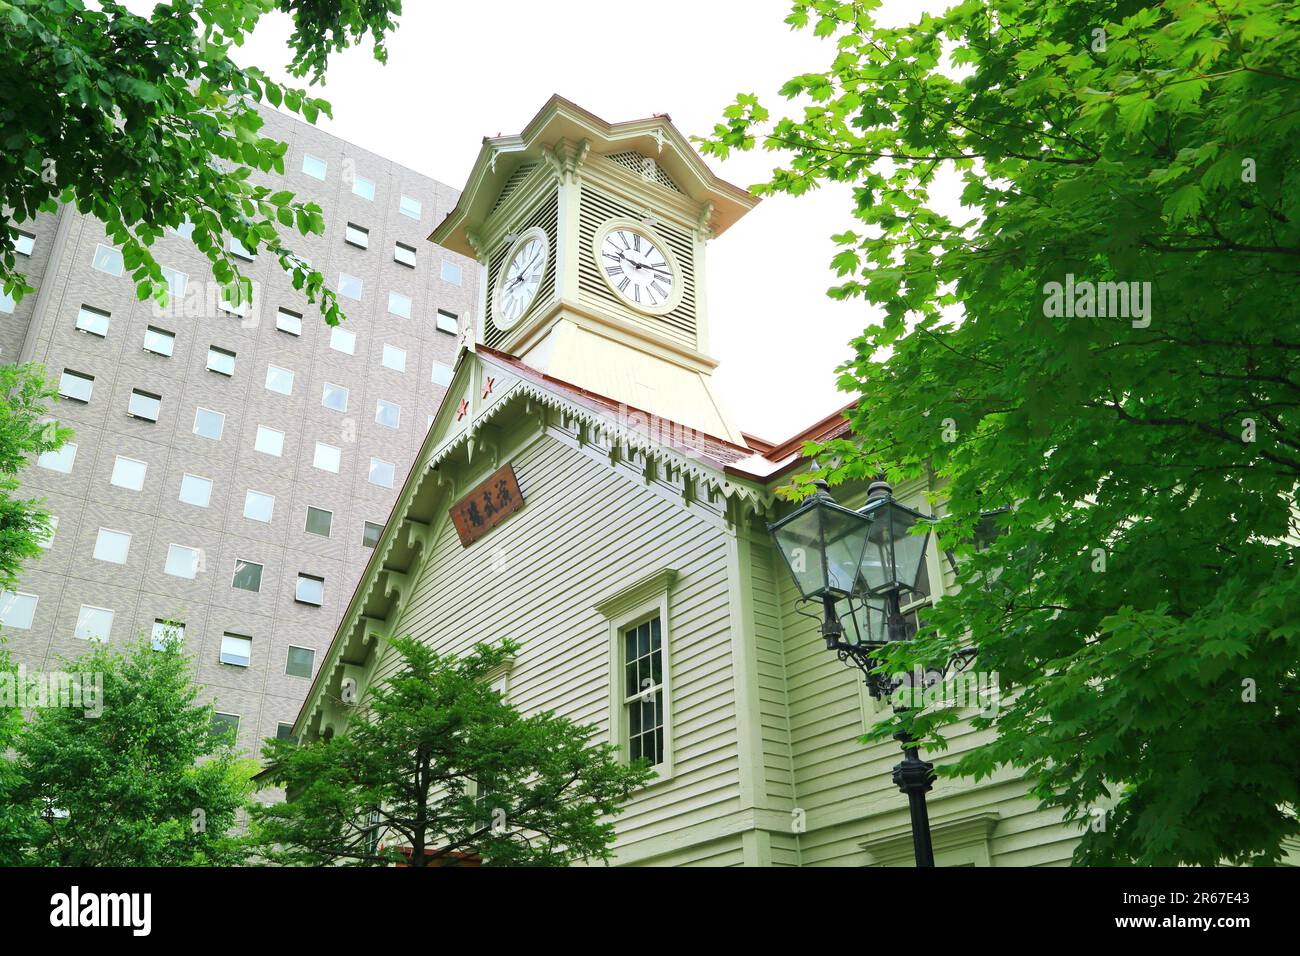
(135,778)
(438,763)
(24,433)
(146,120)
(1141,594)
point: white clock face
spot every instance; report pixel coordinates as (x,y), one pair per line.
(636,268)
(519,281)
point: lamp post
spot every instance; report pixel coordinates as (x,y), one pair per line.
(842,558)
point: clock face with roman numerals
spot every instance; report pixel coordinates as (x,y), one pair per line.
(636,268)
(520,278)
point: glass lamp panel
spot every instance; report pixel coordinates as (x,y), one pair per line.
(800,542)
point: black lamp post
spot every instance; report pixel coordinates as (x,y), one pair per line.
(842,558)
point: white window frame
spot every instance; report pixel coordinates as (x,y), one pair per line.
(244,660)
(76,632)
(446,265)
(367,193)
(50,460)
(97,264)
(356,236)
(310,670)
(89,328)
(181,491)
(343,340)
(405,204)
(8,599)
(288,321)
(270,374)
(325,391)
(405,255)
(135,410)
(315,458)
(448,322)
(195,562)
(24,242)
(253,495)
(82,378)
(443,380)
(269,432)
(221,427)
(388,347)
(116,536)
(324,167)
(307,519)
(159,336)
(370,472)
(379,407)
(224,355)
(162,629)
(261,571)
(401,302)
(360,284)
(119,460)
(297,586)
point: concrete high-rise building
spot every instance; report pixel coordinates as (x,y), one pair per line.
(233,465)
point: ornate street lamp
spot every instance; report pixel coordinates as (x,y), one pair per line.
(843,559)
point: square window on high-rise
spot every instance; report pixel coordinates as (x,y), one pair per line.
(299,663)
(225,726)
(144,405)
(381,473)
(185,230)
(450,272)
(112,546)
(319,521)
(77,386)
(279,380)
(221,361)
(182,561)
(236,649)
(404,254)
(235,300)
(128,473)
(208,424)
(309,590)
(410,206)
(335,397)
(394,358)
(286,320)
(365,188)
(448,322)
(107,259)
(7,303)
(239,250)
(313,166)
(177,282)
(355,235)
(93,321)
(166,633)
(327,457)
(370,532)
(159,341)
(17,610)
(196,490)
(269,441)
(388,414)
(343,340)
(350,286)
(24,243)
(399,304)
(248,576)
(61,459)
(441,374)
(46,539)
(93,624)
(259,506)
(285,732)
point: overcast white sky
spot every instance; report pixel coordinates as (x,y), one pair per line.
(460,71)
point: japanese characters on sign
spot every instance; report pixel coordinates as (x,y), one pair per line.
(487,505)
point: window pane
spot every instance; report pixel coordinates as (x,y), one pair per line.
(236,300)
(46,539)
(177,282)
(327,457)
(159,341)
(259,506)
(93,624)
(182,562)
(399,304)
(284,732)
(269,441)
(381,473)
(404,254)
(196,490)
(410,207)
(128,473)
(209,424)
(144,405)
(370,533)
(450,272)
(112,546)
(299,664)
(248,576)
(17,610)
(441,374)
(221,360)
(7,303)
(24,243)
(166,632)
(224,725)
(76,385)
(185,230)
(343,340)
(236,649)
(356,236)
(94,321)
(313,166)
(237,248)
(448,322)
(388,414)
(287,321)
(394,358)
(319,521)
(310,590)
(350,286)
(61,459)
(363,187)
(335,397)
(107,259)
(279,380)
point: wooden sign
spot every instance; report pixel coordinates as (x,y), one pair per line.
(491,503)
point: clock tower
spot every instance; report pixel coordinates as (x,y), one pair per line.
(592,236)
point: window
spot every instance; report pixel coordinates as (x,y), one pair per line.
(404,254)
(350,286)
(77,386)
(182,561)
(224,725)
(159,341)
(441,374)
(355,235)
(363,187)
(46,539)
(269,441)
(17,610)
(112,546)
(177,282)
(335,397)
(381,473)
(196,490)
(448,322)
(319,521)
(239,250)
(236,300)
(93,321)
(24,243)
(394,358)
(128,473)
(343,340)
(7,303)
(145,405)
(450,272)
(185,230)
(93,624)
(61,459)
(299,663)
(248,576)
(107,259)
(399,304)
(221,361)
(259,506)
(327,457)
(165,633)
(388,414)
(643,691)
(313,166)
(370,533)
(236,649)
(408,206)
(288,321)
(310,590)
(285,732)
(208,424)
(279,380)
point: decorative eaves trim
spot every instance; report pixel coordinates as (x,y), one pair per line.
(652,585)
